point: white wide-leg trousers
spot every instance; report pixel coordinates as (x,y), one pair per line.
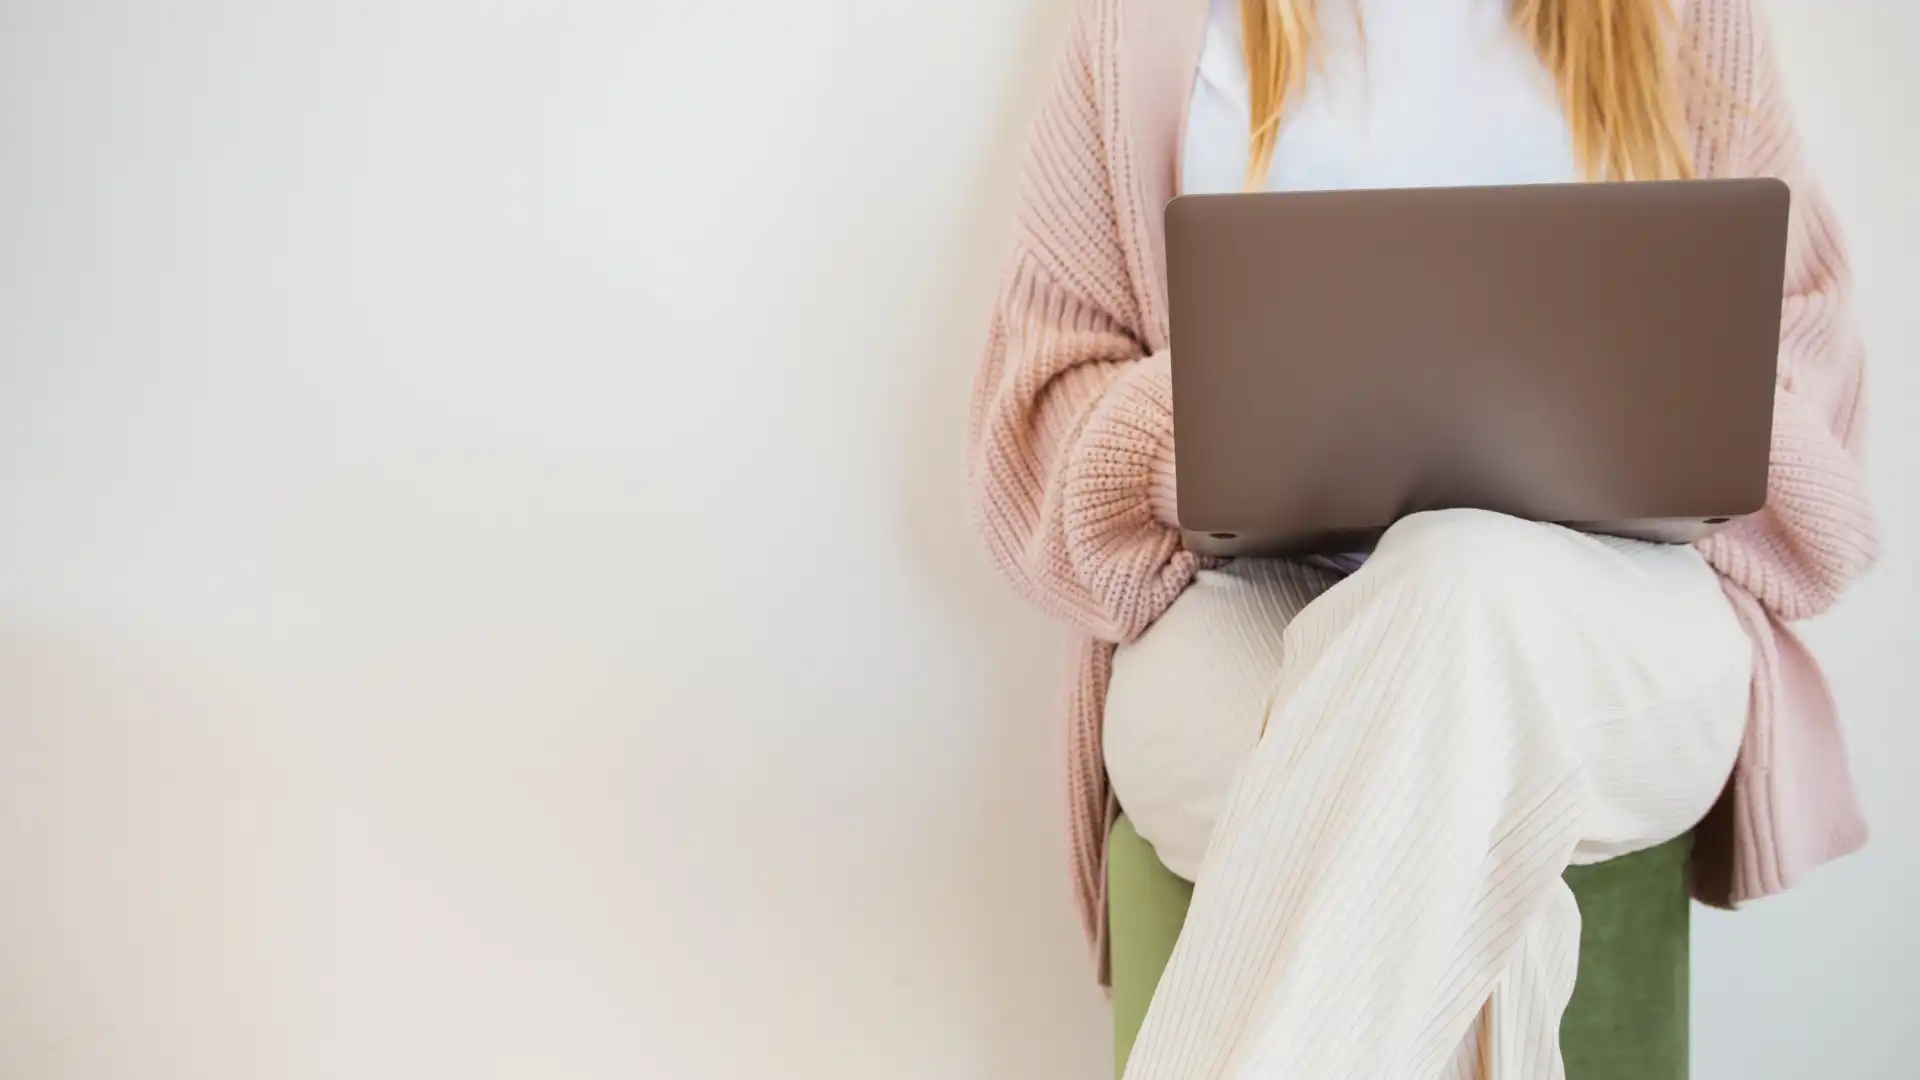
(1376,783)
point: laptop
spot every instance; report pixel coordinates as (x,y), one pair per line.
(1598,355)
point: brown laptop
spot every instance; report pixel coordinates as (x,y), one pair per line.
(1599,355)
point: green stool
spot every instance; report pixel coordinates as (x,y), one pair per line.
(1628,1017)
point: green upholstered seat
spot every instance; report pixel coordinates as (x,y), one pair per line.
(1628,1017)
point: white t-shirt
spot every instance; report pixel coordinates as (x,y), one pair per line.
(1434,93)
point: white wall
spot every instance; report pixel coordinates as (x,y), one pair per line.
(484,584)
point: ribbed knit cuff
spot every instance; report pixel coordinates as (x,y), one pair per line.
(1128,441)
(1818,532)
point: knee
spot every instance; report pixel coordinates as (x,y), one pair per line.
(1479,551)
(1480,529)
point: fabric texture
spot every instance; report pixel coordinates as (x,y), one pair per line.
(1487,700)
(1070,433)
(1628,1019)
(1186,699)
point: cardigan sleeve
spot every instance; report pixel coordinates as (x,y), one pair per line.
(1070,449)
(1817,531)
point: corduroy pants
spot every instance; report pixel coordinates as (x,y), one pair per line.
(1376,783)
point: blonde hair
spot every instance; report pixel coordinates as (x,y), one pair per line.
(1609,58)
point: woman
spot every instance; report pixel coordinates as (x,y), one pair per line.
(1376,770)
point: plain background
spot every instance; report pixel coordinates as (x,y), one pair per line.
(485,587)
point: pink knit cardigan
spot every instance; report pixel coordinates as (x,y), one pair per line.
(1071,431)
